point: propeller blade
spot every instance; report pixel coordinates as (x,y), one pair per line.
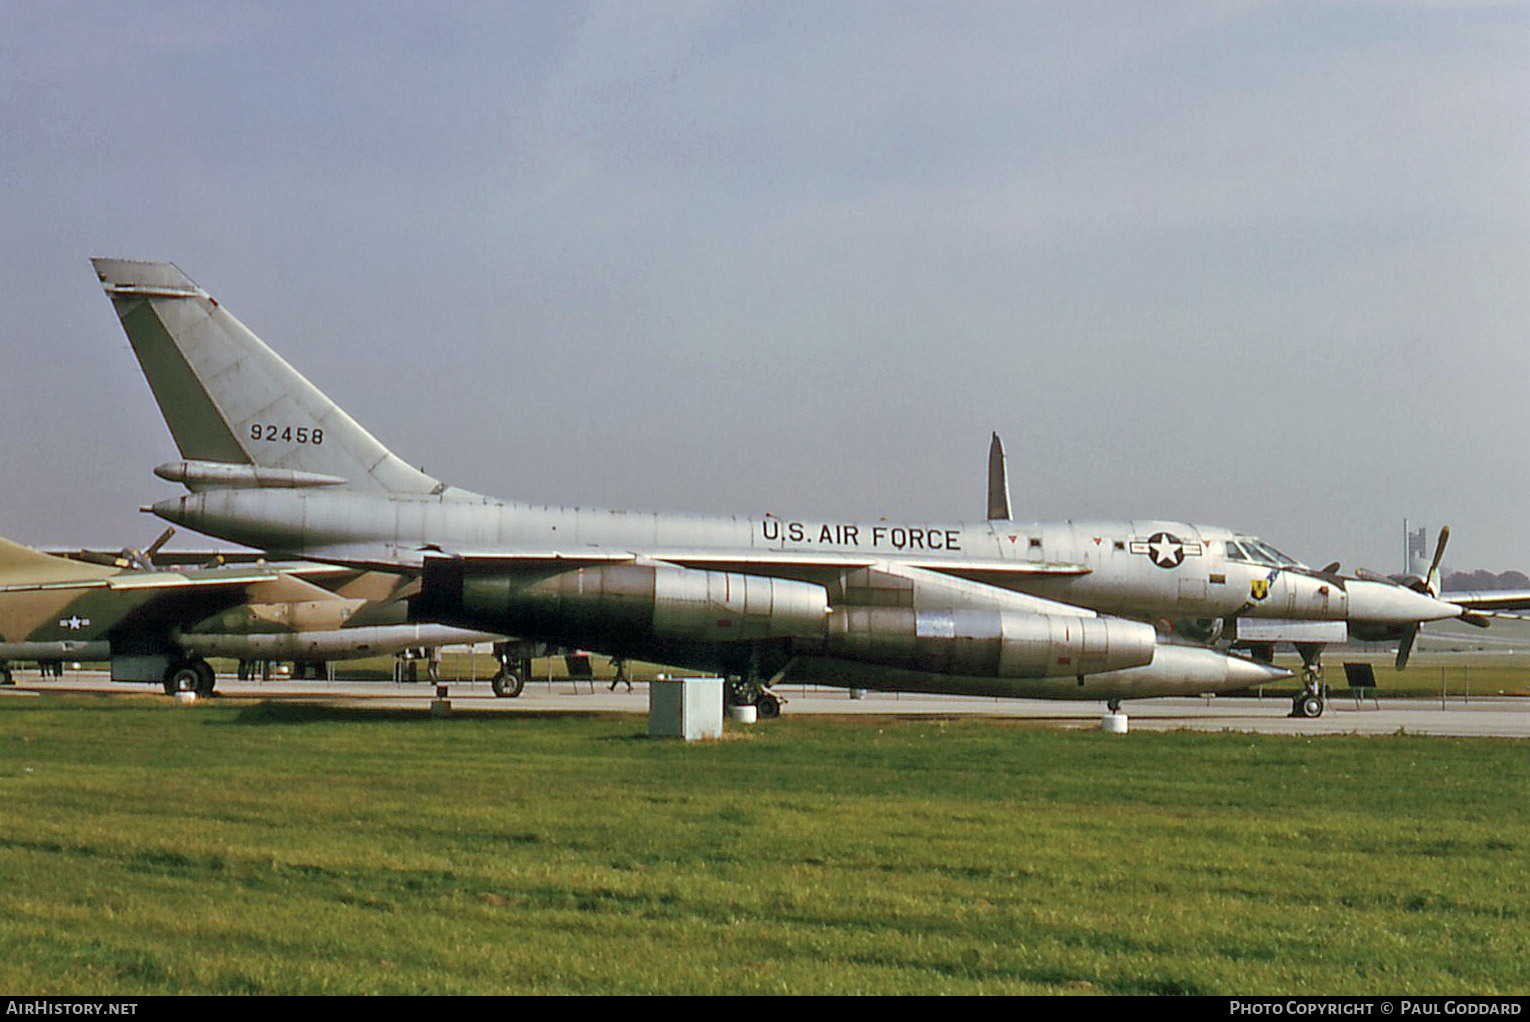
(1405,647)
(100,557)
(164,537)
(1374,576)
(1332,569)
(1432,580)
(143,560)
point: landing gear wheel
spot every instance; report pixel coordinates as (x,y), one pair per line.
(767,706)
(747,693)
(507,684)
(190,676)
(1308,704)
(5,676)
(181,678)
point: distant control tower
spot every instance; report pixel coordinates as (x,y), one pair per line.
(1415,550)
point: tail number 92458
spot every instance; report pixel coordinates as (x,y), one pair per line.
(286,434)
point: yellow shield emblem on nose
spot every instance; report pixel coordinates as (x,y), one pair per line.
(1259,588)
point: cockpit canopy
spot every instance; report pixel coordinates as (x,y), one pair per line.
(1248,548)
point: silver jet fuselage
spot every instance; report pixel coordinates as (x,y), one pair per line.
(999,606)
(1155,570)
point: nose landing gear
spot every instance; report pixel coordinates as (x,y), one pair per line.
(1311,701)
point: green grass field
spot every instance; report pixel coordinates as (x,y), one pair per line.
(281,849)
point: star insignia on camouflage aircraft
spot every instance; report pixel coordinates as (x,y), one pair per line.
(74,623)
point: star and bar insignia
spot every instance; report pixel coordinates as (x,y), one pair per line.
(1166,550)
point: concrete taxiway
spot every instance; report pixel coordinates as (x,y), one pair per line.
(1503,717)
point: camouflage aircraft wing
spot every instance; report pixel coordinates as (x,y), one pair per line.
(46,599)
(152,580)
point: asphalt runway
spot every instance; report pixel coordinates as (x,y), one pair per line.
(1485,717)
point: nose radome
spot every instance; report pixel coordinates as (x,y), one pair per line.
(1381,603)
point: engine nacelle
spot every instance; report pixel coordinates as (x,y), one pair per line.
(668,609)
(989,643)
(622,603)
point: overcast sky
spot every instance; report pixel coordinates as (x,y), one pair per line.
(1263,265)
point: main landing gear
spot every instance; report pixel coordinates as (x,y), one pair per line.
(748,690)
(751,693)
(510,680)
(193,675)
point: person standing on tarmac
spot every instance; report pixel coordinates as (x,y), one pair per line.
(621,675)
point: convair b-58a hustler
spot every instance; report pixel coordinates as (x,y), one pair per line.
(1041,610)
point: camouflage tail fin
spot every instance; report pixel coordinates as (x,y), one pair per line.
(21,564)
(230,401)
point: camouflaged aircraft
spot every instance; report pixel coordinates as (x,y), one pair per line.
(160,626)
(1058,610)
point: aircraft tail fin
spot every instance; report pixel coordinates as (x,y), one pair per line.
(22,564)
(998,482)
(230,400)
